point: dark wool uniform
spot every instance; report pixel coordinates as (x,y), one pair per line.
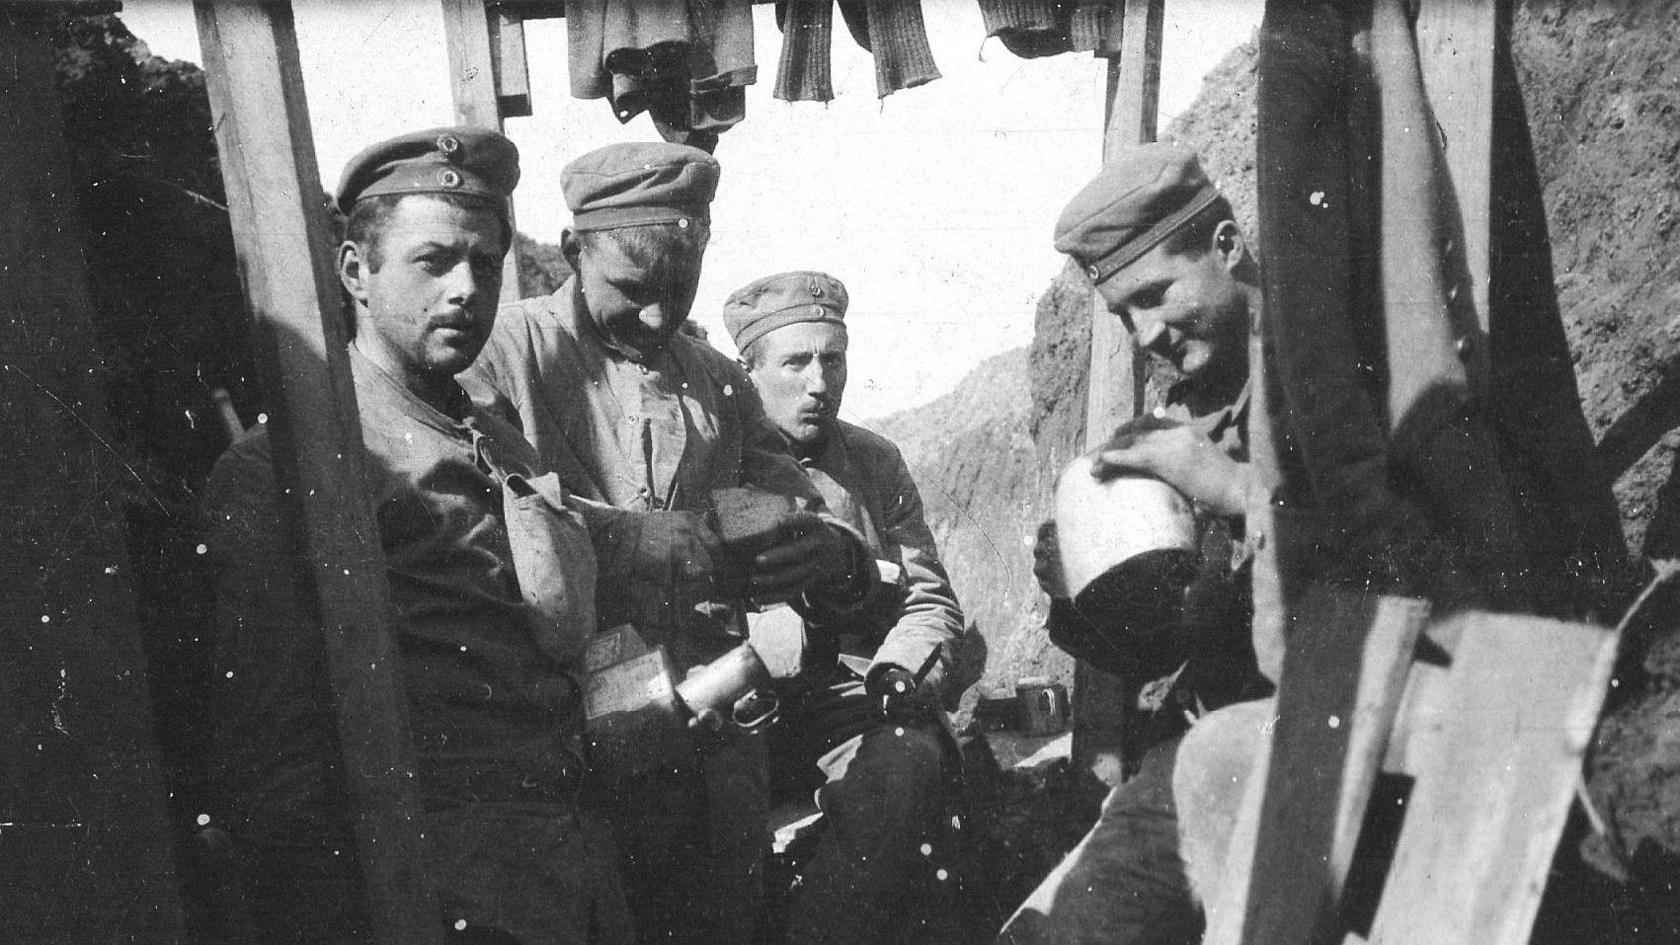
(881,784)
(495,719)
(656,433)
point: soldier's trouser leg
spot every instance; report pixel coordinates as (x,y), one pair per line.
(881,804)
(1216,763)
(1124,884)
(693,847)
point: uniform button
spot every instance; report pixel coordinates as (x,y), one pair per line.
(1092,271)
(643,367)
(1462,344)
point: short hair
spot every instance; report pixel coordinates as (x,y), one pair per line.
(646,244)
(1196,234)
(752,352)
(369,216)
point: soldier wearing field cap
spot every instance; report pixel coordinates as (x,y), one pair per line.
(880,773)
(491,606)
(1158,242)
(635,413)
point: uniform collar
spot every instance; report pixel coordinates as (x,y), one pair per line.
(377,380)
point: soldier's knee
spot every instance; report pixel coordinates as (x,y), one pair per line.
(1215,765)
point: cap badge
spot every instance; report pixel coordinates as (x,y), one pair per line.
(448,144)
(449,177)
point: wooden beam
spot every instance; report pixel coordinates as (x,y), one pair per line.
(1344,675)
(1114,387)
(472,82)
(507,56)
(1456,44)
(1497,753)
(85,840)
(285,254)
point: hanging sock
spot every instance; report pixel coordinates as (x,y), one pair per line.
(898,38)
(803,75)
(1033,29)
(686,62)
(1093,26)
(1028,28)
(892,31)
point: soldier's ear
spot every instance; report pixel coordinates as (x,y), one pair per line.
(1228,241)
(570,247)
(352,270)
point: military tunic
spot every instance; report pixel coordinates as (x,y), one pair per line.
(882,785)
(1124,882)
(493,716)
(659,434)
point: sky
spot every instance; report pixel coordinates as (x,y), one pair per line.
(934,206)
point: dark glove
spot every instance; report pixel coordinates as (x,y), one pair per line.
(1047,561)
(808,552)
(897,689)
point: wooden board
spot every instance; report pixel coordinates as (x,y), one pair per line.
(280,234)
(512,71)
(1114,385)
(472,83)
(1343,678)
(1496,754)
(1456,47)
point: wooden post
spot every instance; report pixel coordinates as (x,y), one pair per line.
(1114,388)
(472,80)
(512,72)
(85,847)
(285,256)
(1456,43)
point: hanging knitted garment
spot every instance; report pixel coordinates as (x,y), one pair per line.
(1035,28)
(685,62)
(892,30)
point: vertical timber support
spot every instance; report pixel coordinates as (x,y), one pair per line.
(1456,43)
(85,844)
(285,257)
(1114,389)
(468,32)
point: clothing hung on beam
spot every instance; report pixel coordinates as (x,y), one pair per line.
(1439,460)
(892,30)
(685,62)
(1035,28)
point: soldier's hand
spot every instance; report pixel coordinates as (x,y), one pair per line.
(896,688)
(1184,458)
(807,550)
(1047,560)
(680,544)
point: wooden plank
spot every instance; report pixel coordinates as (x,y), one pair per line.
(1344,675)
(507,58)
(1496,755)
(1456,42)
(85,840)
(1114,387)
(281,236)
(472,82)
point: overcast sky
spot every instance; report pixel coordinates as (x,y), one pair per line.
(934,206)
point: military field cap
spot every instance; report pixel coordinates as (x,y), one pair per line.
(1136,201)
(639,183)
(473,162)
(786,298)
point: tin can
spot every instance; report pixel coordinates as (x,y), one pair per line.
(1043,705)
